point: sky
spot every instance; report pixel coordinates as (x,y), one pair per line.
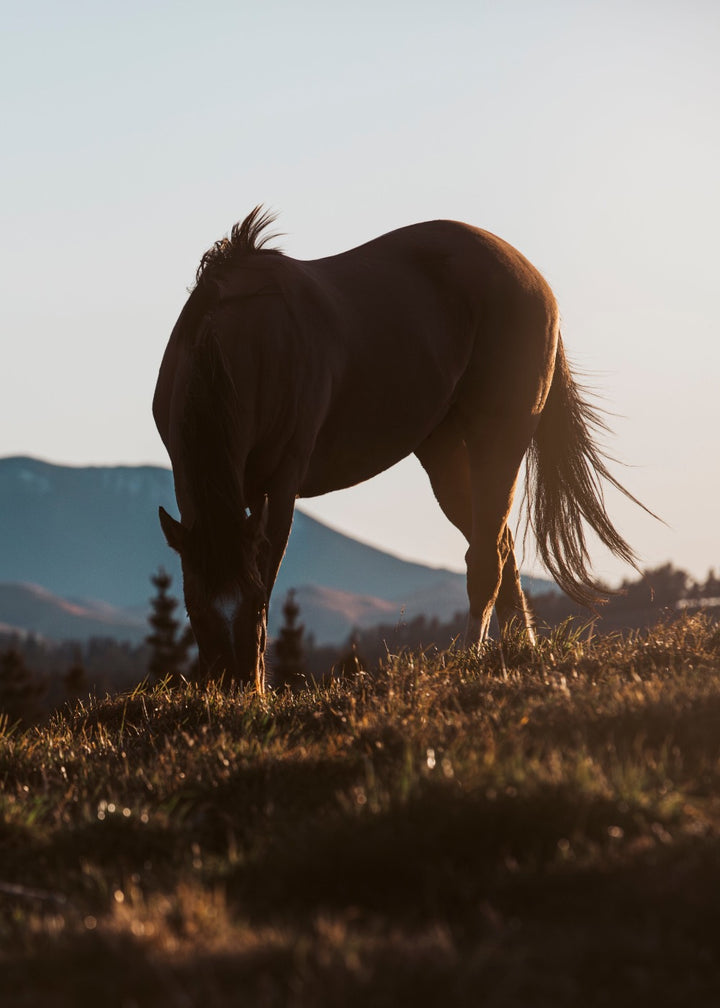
(585,133)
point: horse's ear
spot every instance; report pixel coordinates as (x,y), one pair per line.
(174,531)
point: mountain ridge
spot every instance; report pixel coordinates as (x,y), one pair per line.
(31,609)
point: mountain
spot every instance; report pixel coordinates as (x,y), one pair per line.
(28,607)
(332,613)
(83,533)
(91,537)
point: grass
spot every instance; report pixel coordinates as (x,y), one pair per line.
(451,832)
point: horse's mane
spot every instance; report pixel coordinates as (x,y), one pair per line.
(209,433)
(209,438)
(246,238)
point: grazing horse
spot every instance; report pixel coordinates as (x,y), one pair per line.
(286,378)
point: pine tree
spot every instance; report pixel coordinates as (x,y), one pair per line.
(289,664)
(168,650)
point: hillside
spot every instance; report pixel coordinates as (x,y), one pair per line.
(93,534)
(451,833)
(30,608)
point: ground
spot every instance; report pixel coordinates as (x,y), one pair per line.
(448,832)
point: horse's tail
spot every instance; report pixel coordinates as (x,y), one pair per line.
(564,473)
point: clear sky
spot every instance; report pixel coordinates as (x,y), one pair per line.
(585,133)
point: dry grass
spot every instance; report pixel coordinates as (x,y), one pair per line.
(451,832)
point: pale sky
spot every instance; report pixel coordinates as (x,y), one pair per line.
(585,133)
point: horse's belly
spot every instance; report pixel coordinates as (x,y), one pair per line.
(395,381)
(355,446)
(327,474)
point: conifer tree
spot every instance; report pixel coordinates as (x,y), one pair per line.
(289,664)
(168,650)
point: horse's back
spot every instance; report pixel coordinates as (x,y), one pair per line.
(416,322)
(442,301)
(440,252)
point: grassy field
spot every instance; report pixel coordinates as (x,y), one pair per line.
(450,832)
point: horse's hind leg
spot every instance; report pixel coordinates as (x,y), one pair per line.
(495,453)
(511,605)
(444,458)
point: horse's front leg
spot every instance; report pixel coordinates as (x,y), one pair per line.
(280,510)
(277,510)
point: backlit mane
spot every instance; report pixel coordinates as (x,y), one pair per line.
(246,238)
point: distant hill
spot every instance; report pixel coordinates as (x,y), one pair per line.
(91,538)
(30,608)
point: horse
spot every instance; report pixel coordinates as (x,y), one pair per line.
(287,378)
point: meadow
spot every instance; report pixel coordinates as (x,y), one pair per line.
(454,830)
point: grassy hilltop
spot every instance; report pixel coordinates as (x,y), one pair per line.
(448,833)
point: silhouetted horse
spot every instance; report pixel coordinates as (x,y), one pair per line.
(285,379)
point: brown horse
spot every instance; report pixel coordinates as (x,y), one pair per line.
(285,378)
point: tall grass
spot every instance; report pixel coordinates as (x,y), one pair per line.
(459,829)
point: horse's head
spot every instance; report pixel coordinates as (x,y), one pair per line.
(225,597)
